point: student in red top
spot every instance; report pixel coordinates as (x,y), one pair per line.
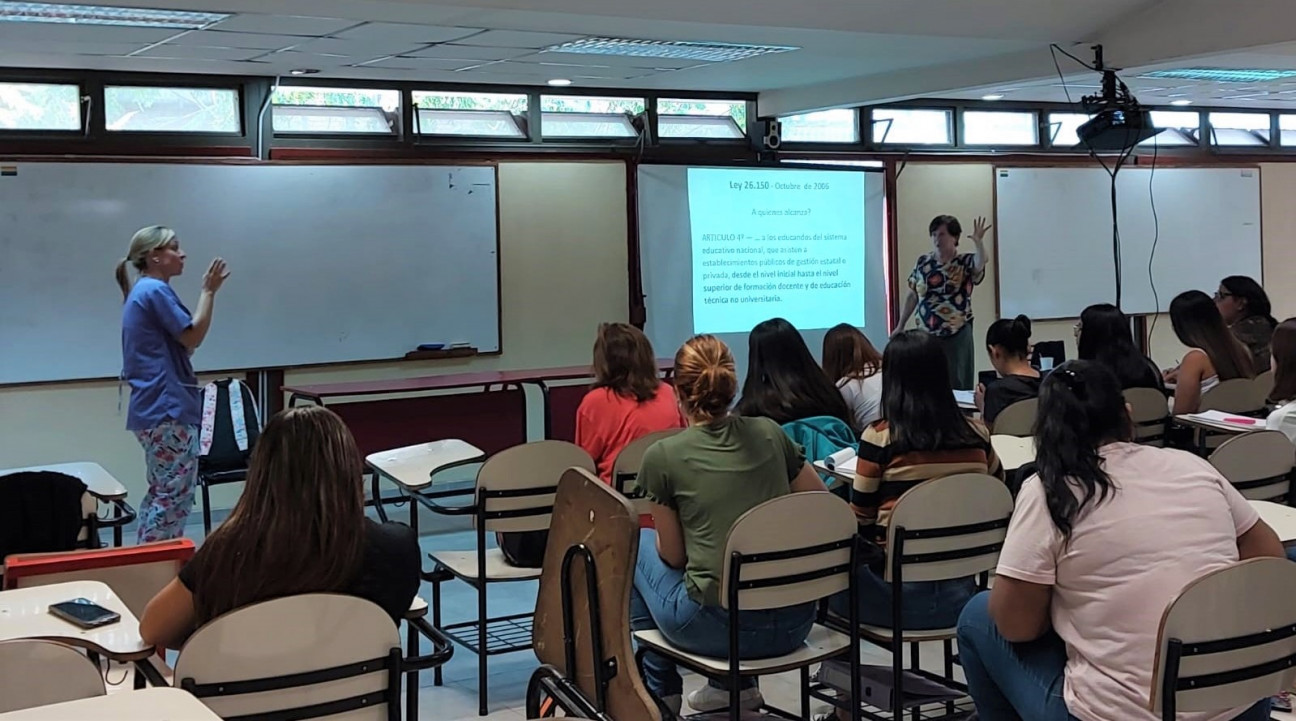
(628,400)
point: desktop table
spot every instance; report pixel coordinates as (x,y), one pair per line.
(148,703)
(1279,517)
(24,613)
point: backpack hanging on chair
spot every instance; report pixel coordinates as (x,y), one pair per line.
(230,428)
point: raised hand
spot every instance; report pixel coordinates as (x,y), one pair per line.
(979,228)
(215,276)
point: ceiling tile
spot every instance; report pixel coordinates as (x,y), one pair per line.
(284,25)
(535,70)
(219,39)
(469,52)
(406,63)
(354,48)
(607,60)
(63,33)
(394,33)
(23,46)
(197,52)
(289,59)
(518,39)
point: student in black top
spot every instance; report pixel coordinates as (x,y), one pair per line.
(299,527)
(1103,336)
(784,383)
(1008,342)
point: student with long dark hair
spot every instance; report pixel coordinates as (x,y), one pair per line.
(1214,355)
(856,366)
(1102,539)
(1008,342)
(784,383)
(299,527)
(1284,392)
(1245,307)
(1103,336)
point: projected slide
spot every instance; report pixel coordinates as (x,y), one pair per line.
(776,243)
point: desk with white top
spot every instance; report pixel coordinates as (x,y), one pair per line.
(24,613)
(99,483)
(1013,452)
(411,468)
(156,704)
(1279,517)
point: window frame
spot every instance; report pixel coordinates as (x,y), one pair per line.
(240,104)
(1035,114)
(33,133)
(399,130)
(951,124)
(858,132)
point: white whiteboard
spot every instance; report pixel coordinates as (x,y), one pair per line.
(328,263)
(1054,232)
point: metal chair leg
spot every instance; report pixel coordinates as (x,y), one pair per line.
(481,648)
(436,622)
(412,678)
(206,496)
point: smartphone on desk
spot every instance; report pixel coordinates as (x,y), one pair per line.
(84,613)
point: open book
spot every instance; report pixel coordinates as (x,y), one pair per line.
(842,461)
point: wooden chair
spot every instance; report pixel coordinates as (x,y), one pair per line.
(582,620)
(771,562)
(297,657)
(940,530)
(625,469)
(514,493)
(1227,640)
(1017,419)
(1258,464)
(1150,414)
(39,673)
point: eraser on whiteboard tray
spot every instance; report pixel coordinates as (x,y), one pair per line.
(460,344)
(431,346)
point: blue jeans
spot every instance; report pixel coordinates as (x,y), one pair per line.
(927,605)
(659,600)
(1013,681)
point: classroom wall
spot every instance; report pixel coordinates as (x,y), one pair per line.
(562,272)
(966,190)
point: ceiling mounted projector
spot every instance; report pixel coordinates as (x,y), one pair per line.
(1119,123)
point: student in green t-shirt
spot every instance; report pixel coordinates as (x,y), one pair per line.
(700,482)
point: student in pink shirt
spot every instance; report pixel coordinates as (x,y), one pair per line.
(628,400)
(1102,539)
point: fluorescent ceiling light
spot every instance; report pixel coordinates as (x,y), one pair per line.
(20,12)
(1223,75)
(703,52)
(993,96)
(304,71)
(1181,103)
(560,82)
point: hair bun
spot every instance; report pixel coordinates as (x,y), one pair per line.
(705,377)
(1023,323)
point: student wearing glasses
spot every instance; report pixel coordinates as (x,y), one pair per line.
(1245,307)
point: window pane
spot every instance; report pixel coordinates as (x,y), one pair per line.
(698,126)
(590,104)
(825,126)
(1063,127)
(984,127)
(852,163)
(185,110)
(470,114)
(587,125)
(307,109)
(37,106)
(736,109)
(476,123)
(911,127)
(1181,128)
(1287,126)
(1239,128)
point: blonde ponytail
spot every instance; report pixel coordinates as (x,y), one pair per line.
(144,242)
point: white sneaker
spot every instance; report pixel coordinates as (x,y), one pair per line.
(709,698)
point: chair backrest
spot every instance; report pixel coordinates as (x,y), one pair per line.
(946,528)
(1017,419)
(1258,464)
(1228,639)
(134,573)
(789,550)
(1263,385)
(589,513)
(515,487)
(625,468)
(225,454)
(1236,395)
(39,673)
(340,653)
(1150,414)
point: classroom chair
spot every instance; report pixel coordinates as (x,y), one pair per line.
(416,625)
(134,573)
(940,530)
(1227,640)
(1017,419)
(581,633)
(771,562)
(297,657)
(514,493)
(625,468)
(225,462)
(1263,386)
(39,673)
(1236,395)
(1258,464)
(1150,415)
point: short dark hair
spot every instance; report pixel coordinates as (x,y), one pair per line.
(950,222)
(624,362)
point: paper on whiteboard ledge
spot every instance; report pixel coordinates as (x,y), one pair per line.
(843,460)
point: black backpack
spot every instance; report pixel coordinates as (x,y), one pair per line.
(224,456)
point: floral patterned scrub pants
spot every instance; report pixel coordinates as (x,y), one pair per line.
(171,454)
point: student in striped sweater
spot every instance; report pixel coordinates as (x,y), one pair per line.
(922,435)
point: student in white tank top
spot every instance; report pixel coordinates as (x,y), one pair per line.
(1214,354)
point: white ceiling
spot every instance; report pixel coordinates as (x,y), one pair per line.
(852,51)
